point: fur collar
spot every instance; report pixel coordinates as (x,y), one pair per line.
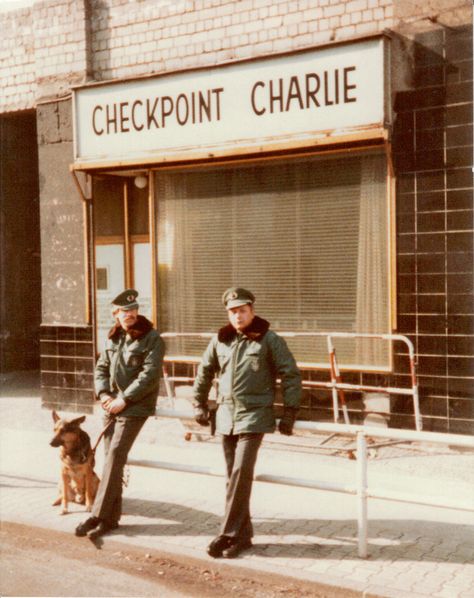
(141,327)
(255,332)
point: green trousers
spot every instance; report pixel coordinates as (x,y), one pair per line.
(240,453)
(118,440)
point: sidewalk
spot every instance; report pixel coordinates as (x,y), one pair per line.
(303,533)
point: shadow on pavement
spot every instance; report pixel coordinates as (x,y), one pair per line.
(398,539)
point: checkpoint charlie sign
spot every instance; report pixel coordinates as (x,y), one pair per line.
(251,104)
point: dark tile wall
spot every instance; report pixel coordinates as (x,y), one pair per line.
(67,365)
(433,155)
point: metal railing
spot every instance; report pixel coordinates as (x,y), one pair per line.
(360,488)
(336,385)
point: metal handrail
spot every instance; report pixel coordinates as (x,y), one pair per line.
(336,385)
(360,490)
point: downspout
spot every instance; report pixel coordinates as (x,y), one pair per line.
(85,193)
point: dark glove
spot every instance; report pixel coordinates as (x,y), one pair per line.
(287,421)
(201,415)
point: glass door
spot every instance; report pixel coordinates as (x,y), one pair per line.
(122,247)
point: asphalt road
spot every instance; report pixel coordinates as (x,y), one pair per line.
(40,562)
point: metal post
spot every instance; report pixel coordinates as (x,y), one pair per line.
(362,494)
(335,402)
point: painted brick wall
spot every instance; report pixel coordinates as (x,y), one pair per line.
(17,61)
(128,39)
(43,51)
(61,45)
(56,43)
(50,46)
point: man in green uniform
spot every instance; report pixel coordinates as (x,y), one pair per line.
(248,358)
(126,380)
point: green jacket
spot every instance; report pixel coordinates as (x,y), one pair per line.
(130,367)
(247,366)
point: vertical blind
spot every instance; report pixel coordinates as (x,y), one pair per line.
(295,233)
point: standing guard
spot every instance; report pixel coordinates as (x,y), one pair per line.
(127,378)
(247,357)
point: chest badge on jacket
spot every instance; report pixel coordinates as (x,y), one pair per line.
(135,360)
(254,364)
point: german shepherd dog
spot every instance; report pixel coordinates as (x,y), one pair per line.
(79,482)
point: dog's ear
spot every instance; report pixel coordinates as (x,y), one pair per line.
(55,416)
(78,421)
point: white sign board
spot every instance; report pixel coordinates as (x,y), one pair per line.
(249,104)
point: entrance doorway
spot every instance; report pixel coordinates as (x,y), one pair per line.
(122,246)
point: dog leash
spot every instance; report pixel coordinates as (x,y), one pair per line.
(126,472)
(101,435)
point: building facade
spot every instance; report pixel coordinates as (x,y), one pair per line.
(318,152)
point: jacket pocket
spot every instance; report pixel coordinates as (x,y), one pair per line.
(254,360)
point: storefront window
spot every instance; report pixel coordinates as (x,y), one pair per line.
(309,237)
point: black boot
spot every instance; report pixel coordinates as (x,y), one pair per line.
(87,526)
(216,547)
(102,528)
(238,546)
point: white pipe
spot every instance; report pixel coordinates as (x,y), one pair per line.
(395,496)
(174,467)
(289,481)
(461,440)
(362,494)
(303,483)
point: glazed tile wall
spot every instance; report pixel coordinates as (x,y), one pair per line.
(67,363)
(433,152)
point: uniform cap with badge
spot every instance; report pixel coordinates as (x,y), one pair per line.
(237,296)
(125,300)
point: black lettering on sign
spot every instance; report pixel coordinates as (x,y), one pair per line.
(150,114)
(313,84)
(96,129)
(158,112)
(136,126)
(348,87)
(294,93)
(124,118)
(258,111)
(303,92)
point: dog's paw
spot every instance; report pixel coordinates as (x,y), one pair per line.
(56,502)
(64,512)
(89,508)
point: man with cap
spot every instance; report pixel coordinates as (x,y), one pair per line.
(248,358)
(126,381)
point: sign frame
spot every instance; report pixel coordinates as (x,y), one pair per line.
(313,97)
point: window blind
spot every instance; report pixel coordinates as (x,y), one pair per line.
(289,231)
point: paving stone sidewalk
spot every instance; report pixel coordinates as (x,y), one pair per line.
(304,533)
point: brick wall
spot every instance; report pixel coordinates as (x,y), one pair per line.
(57,43)
(157,36)
(17,61)
(44,49)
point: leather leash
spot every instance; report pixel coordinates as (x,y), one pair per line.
(101,435)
